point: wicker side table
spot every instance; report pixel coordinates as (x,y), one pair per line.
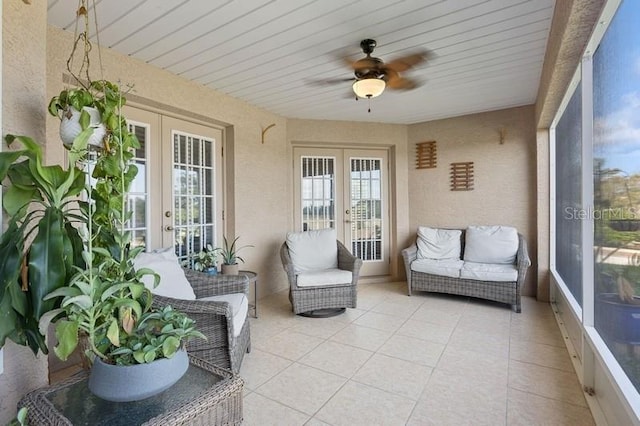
(205,395)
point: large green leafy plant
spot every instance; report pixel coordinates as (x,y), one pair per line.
(41,247)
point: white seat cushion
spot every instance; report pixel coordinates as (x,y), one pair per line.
(491,244)
(438,243)
(445,267)
(313,250)
(489,271)
(173,282)
(239,308)
(332,276)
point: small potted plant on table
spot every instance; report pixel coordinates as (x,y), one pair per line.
(230,257)
(206,260)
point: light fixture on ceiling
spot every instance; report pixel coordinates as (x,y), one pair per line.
(369,87)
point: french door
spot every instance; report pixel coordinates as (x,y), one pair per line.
(177,196)
(347,190)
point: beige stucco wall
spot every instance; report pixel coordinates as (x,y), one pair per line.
(323,133)
(504,175)
(261,180)
(23,110)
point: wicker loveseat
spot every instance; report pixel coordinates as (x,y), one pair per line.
(456,274)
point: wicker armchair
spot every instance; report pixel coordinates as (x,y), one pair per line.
(214,318)
(323,297)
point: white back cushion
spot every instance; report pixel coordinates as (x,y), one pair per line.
(491,244)
(313,250)
(438,243)
(173,282)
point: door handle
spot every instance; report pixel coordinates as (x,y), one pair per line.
(168,228)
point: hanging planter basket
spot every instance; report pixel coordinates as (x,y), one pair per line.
(70,126)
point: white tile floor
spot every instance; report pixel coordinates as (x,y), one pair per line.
(420,360)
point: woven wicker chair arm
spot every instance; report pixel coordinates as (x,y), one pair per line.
(522,256)
(287,264)
(205,285)
(347,261)
(191,307)
(410,254)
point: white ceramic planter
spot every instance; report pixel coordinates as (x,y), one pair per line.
(123,383)
(70,126)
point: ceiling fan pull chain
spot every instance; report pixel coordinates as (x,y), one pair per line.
(369,98)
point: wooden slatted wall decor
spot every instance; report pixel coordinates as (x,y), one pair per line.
(461,175)
(426,155)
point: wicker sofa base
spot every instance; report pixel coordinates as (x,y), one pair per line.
(311,299)
(504,292)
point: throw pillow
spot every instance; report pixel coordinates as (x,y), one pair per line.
(313,250)
(438,243)
(491,244)
(173,282)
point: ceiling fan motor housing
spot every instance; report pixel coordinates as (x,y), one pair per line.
(367,45)
(369,67)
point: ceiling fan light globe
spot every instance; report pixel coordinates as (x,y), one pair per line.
(368,87)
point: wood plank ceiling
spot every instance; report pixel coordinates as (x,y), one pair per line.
(488,54)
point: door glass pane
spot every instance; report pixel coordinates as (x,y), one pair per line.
(138,196)
(616,153)
(318,193)
(193,195)
(366,208)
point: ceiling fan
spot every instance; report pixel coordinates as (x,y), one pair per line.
(372,75)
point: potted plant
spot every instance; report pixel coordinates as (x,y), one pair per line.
(91,105)
(230,256)
(206,260)
(106,302)
(71,261)
(78,110)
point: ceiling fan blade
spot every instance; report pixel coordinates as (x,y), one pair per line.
(329,81)
(406,62)
(396,82)
(367,63)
